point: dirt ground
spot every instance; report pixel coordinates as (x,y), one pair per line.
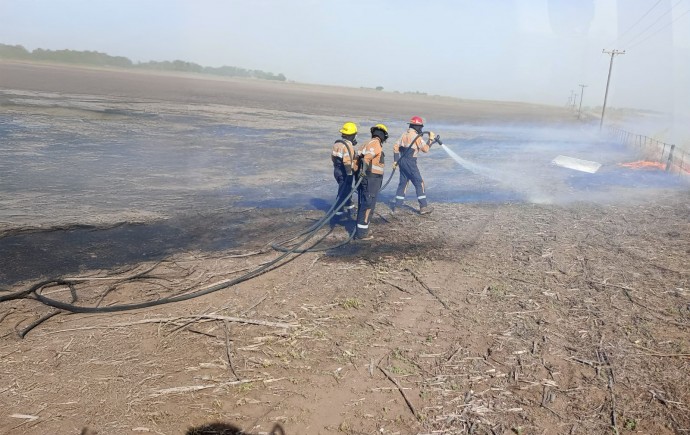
(484,318)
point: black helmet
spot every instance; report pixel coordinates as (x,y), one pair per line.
(382,130)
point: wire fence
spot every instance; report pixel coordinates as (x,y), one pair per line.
(666,156)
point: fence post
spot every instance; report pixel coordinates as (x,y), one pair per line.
(670,158)
(682,163)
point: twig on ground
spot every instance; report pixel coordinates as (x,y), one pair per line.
(640,304)
(454,354)
(546,398)
(248,254)
(652,352)
(228,345)
(194,331)
(593,364)
(381,216)
(395,286)
(657,395)
(113,278)
(173,319)
(5,314)
(105,293)
(524,281)
(605,359)
(245,312)
(407,400)
(427,288)
(191,388)
(37,322)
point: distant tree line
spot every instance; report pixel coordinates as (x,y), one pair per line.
(18,52)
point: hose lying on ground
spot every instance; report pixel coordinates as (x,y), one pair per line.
(35,291)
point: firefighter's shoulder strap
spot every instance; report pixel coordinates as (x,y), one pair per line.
(348,147)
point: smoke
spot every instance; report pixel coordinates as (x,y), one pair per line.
(515,163)
(516,181)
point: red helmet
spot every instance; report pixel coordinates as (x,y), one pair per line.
(416,120)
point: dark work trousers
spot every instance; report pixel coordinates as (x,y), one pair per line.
(344,188)
(368,191)
(410,172)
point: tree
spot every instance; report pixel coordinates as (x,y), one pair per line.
(13,52)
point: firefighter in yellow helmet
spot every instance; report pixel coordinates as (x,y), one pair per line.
(369,169)
(343,155)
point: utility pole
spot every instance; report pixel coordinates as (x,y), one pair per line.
(608,80)
(573,98)
(582,93)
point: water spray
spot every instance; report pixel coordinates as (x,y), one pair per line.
(470,166)
(533,193)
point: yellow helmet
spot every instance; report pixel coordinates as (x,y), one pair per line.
(381,127)
(349,128)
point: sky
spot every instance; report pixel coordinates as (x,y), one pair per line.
(513,50)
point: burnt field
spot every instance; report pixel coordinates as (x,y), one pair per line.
(535,299)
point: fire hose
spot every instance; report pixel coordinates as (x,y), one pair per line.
(36,290)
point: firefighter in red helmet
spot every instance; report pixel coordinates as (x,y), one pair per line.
(408,146)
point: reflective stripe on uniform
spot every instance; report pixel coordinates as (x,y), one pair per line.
(421,197)
(364,227)
(339,154)
(380,168)
(350,207)
(399,197)
(338,213)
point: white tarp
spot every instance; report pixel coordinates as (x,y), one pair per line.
(577,164)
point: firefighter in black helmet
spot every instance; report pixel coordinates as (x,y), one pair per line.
(369,168)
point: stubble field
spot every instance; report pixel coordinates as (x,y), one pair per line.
(533,300)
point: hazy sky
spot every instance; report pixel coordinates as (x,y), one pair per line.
(523,50)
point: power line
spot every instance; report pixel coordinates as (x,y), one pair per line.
(636,22)
(659,30)
(655,21)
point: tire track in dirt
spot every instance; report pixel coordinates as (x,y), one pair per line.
(413,320)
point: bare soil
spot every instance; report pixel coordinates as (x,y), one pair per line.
(485,318)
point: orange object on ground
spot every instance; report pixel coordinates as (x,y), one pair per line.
(643,164)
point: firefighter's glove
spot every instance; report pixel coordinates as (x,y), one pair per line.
(432,138)
(395,165)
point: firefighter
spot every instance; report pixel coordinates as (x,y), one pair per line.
(405,151)
(342,155)
(369,169)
